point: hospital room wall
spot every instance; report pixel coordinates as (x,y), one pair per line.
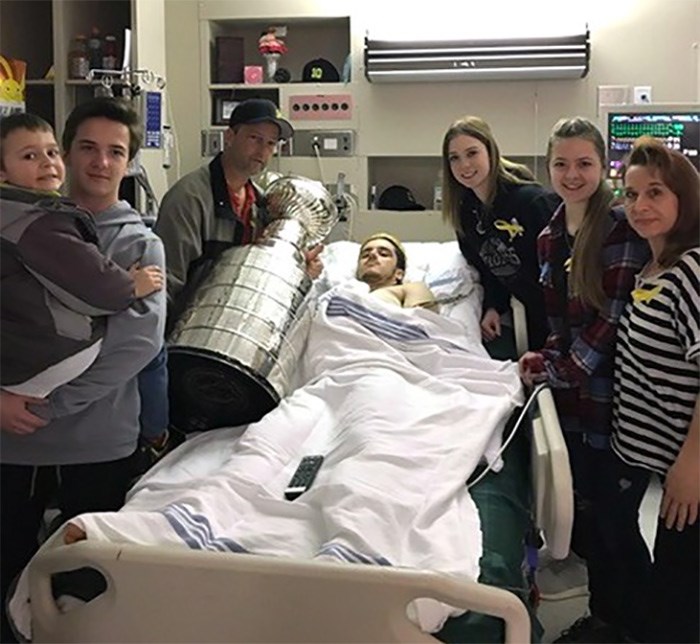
(633,42)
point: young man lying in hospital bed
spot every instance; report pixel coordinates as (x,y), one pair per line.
(401,406)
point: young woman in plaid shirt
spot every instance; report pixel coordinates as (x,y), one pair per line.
(589,257)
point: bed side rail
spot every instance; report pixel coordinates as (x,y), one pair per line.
(173,595)
(551,478)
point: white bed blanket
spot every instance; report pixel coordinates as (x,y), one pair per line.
(402,410)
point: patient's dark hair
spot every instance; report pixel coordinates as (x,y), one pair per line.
(398,247)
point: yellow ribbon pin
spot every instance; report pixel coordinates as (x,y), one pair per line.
(567,265)
(645,294)
(514,229)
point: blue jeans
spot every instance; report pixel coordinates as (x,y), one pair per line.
(153,390)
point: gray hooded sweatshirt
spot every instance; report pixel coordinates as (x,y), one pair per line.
(95,418)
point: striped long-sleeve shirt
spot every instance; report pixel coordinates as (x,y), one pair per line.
(579,351)
(657,381)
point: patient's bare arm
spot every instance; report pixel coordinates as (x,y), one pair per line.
(418,294)
(409,295)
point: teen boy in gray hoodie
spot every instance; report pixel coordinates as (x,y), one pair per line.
(81,455)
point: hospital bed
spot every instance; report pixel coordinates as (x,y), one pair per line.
(170,595)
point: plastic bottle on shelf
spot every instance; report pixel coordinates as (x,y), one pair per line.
(78,61)
(109,53)
(95,49)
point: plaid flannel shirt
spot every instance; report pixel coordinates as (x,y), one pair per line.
(582,372)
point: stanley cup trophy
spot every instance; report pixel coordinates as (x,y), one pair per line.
(233,353)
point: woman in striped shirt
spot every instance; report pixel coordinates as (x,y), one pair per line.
(589,257)
(656,409)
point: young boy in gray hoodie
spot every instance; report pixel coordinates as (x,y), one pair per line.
(82,454)
(57,287)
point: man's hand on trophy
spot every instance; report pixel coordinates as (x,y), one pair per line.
(314,264)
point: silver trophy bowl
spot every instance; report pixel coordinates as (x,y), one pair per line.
(234,351)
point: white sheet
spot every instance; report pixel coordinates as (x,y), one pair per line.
(401,407)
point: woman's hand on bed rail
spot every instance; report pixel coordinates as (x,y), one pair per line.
(314,264)
(73,534)
(532,368)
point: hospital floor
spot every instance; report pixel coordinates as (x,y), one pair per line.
(563,584)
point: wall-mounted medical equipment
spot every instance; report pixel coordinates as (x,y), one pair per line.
(677,126)
(320,107)
(325,143)
(145,90)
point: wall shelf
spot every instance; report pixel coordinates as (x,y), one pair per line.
(419,174)
(298,86)
(306,39)
(41,33)
(408,226)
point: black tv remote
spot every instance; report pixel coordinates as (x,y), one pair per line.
(303,477)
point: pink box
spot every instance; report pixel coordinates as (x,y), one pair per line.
(253,74)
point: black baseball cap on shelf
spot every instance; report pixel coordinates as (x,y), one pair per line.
(398,198)
(260,110)
(320,70)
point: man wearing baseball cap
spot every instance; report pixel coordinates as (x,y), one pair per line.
(260,110)
(218,206)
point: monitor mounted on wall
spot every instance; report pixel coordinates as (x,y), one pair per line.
(677,125)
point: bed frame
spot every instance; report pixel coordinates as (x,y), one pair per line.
(200,596)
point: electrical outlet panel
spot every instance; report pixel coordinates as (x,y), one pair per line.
(642,94)
(320,107)
(324,143)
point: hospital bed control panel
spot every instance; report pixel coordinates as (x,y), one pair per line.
(303,477)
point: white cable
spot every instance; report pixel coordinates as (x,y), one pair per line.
(506,442)
(317,151)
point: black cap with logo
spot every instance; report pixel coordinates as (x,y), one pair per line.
(320,70)
(260,110)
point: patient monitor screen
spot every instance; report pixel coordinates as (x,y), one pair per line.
(678,130)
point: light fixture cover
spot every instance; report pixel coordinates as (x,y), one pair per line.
(555,57)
